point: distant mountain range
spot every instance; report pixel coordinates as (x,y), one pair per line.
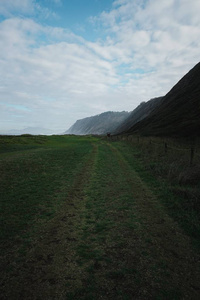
(114,122)
(175,114)
(29,130)
(99,124)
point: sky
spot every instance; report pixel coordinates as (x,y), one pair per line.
(64,60)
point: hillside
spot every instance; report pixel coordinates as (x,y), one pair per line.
(139,113)
(179,113)
(99,124)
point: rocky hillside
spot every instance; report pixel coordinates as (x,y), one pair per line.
(138,114)
(179,112)
(99,124)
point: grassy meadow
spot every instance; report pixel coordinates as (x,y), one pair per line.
(90,218)
(36,175)
(167,163)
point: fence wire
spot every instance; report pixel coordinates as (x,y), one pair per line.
(192,151)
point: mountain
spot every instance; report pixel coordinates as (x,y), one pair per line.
(30,130)
(139,113)
(179,113)
(99,124)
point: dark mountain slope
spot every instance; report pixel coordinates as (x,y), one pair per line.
(99,124)
(139,113)
(179,113)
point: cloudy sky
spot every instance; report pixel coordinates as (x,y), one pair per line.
(63,60)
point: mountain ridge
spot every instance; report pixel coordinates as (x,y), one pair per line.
(29,130)
(99,124)
(139,113)
(179,112)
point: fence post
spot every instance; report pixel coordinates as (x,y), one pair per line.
(166,148)
(192,152)
(191,156)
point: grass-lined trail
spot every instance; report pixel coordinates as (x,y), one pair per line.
(80,223)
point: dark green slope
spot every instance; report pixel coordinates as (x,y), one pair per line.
(139,113)
(179,113)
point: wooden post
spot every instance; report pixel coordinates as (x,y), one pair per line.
(166,148)
(192,152)
(191,156)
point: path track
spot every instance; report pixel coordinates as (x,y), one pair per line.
(112,240)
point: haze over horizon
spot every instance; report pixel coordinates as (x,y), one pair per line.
(66,60)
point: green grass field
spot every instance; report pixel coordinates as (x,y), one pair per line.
(82,218)
(36,176)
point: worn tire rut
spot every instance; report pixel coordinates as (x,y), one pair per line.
(112,239)
(49,264)
(168,247)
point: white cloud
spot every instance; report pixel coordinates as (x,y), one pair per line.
(53,74)
(153,33)
(10,7)
(19,8)
(34,72)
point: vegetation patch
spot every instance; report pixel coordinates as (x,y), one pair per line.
(174,180)
(85,219)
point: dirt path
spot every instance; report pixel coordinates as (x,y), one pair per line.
(171,263)
(49,265)
(112,240)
